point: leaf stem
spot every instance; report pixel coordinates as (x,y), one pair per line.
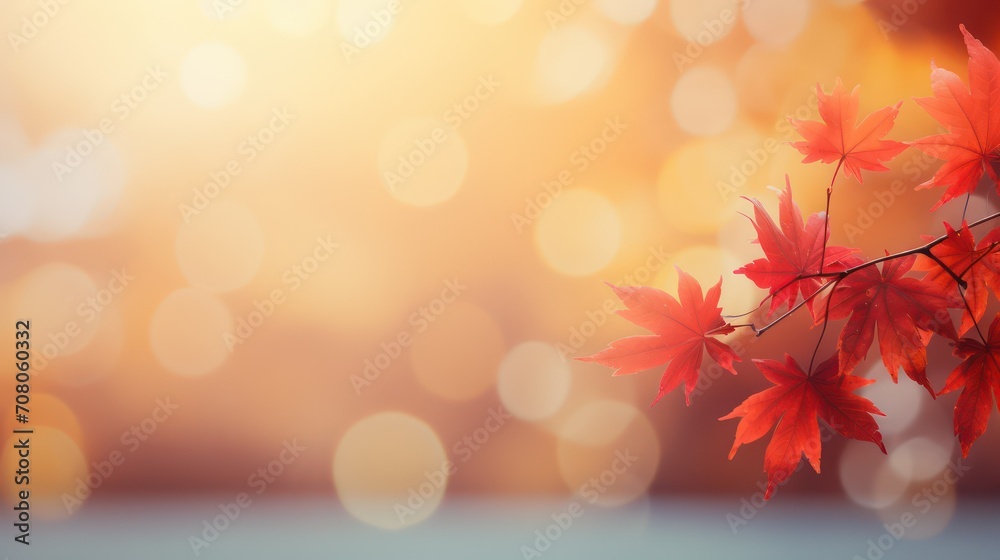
(968,308)
(826,223)
(837,170)
(826,321)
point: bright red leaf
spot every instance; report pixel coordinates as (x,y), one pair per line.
(682,330)
(840,139)
(792,252)
(979,378)
(905,309)
(901,300)
(979,266)
(793,405)
(972,117)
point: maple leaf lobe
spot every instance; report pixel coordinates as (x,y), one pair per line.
(971,116)
(683,329)
(792,251)
(840,138)
(905,310)
(794,406)
(979,378)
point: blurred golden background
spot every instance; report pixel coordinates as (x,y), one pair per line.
(375,229)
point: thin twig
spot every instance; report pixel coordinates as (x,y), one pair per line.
(767,327)
(957,278)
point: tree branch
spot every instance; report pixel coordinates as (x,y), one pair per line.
(838,276)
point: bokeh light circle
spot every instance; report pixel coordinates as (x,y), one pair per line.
(213,74)
(627,12)
(77,178)
(901,402)
(422,161)
(533,381)
(570,60)
(55,297)
(776,22)
(704,21)
(579,233)
(221,249)
(17,200)
(390,470)
(187,332)
(51,411)
(58,468)
(609,453)
(701,182)
(867,477)
(763,77)
(703,101)
(921,458)
(930,506)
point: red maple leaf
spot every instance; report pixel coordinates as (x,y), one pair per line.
(972,117)
(978,375)
(839,138)
(978,265)
(907,310)
(682,330)
(793,405)
(792,252)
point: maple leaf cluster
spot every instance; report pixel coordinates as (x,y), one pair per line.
(903,300)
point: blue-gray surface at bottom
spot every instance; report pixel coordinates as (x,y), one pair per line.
(474,529)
